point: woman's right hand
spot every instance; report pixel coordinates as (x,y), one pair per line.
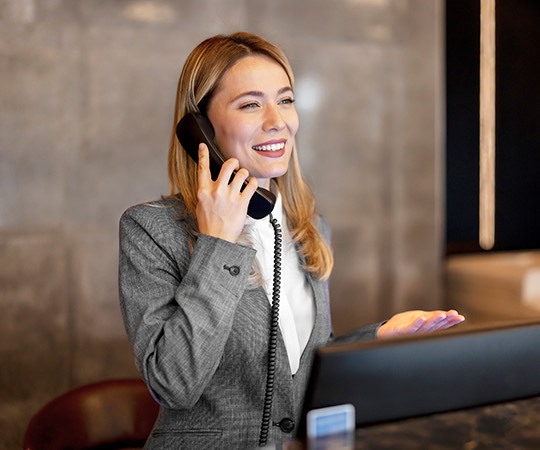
(222,208)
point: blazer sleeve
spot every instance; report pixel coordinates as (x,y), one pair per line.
(363,333)
(178,307)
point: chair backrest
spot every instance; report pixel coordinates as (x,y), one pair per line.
(111,413)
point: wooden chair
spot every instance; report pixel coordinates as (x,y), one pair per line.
(112,414)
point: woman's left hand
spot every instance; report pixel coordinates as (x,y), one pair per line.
(415,322)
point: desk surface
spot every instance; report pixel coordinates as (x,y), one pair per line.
(510,425)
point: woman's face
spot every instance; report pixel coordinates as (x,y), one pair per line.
(254,117)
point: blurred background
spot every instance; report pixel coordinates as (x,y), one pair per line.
(87,91)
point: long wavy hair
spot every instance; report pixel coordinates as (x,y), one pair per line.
(198,82)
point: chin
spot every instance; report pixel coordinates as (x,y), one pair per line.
(274,172)
(270,175)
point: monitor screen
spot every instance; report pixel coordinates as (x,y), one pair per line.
(393,379)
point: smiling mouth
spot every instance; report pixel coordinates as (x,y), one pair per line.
(269,148)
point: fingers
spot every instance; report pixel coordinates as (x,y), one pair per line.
(418,322)
(238,181)
(237,184)
(432,321)
(452,318)
(225,174)
(227,171)
(417,325)
(452,321)
(402,324)
(251,186)
(203,171)
(222,204)
(440,320)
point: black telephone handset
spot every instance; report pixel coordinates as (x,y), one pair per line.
(195,128)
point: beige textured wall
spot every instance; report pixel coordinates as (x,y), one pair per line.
(86,93)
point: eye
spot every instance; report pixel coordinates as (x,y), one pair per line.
(286,101)
(249,105)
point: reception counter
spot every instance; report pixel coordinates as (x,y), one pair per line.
(510,425)
(473,389)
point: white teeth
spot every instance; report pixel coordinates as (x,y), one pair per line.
(269,148)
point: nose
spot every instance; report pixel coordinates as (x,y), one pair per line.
(273,119)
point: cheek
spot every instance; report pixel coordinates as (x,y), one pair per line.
(236,139)
(294,124)
(228,131)
(226,139)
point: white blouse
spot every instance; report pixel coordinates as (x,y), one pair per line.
(296,305)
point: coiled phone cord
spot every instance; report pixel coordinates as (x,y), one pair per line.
(272,341)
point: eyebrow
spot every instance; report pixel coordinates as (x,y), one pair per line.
(260,93)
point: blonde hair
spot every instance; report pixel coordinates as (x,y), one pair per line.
(198,82)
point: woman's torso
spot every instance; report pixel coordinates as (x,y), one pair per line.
(228,411)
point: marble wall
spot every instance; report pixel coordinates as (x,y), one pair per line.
(87,92)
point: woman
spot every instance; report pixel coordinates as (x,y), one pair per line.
(196,273)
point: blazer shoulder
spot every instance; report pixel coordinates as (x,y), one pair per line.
(155,217)
(164,209)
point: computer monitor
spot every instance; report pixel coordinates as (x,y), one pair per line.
(394,379)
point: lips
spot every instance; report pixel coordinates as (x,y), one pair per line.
(269,147)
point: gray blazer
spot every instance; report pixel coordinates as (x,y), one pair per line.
(199,332)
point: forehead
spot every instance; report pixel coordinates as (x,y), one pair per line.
(254,72)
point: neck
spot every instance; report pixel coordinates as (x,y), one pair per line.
(264,183)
